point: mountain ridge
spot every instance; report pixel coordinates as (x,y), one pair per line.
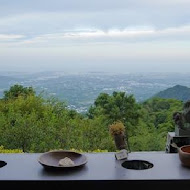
(178,92)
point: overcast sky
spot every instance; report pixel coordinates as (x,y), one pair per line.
(95,35)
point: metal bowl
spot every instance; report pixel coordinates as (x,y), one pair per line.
(137,164)
(50,160)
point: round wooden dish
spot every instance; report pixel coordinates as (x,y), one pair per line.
(50,160)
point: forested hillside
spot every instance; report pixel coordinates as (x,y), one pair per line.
(33,124)
(177,92)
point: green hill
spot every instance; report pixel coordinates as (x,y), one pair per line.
(177,92)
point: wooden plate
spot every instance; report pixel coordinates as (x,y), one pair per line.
(50,160)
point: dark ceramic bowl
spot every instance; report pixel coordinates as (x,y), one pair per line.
(2,163)
(184,155)
(50,160)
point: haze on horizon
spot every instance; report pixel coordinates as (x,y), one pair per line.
(102,35)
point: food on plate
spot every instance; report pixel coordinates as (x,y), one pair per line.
(67,162)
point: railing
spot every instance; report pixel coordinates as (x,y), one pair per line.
(102,171)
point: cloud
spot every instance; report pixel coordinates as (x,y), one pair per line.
(90,35)
(98,36)
(73,31)
(10,37)
(40,17)
(23,6)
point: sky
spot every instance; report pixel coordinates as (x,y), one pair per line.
(95,35)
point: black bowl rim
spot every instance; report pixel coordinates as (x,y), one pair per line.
(76,165)
(3,163)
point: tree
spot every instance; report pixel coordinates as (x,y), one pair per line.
(18,90)
(116,107)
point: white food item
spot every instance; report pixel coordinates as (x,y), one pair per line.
(66,162)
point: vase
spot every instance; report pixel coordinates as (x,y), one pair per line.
(120,141)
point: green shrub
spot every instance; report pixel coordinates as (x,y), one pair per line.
(3,150)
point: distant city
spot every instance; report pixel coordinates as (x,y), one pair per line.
(79,90)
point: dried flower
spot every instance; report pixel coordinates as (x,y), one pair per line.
(117,128)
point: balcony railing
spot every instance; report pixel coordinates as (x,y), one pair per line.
(102,171)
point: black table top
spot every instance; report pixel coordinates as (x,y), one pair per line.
(100,166)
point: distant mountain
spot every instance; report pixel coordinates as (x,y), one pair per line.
(6,78)
(5,81)
(177,92)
